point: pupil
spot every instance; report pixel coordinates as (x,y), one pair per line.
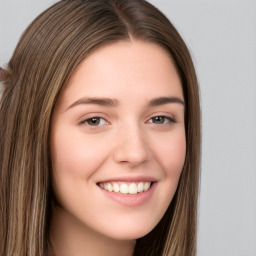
(159,119)
(94,121)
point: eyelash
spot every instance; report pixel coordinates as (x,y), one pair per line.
(95,118)
(164,120)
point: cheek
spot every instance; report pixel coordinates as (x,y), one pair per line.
(74,160)
(75,155)
(171,153)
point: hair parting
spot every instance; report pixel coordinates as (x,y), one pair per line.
(49,51)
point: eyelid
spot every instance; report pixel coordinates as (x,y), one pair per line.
(95,117)
(167,120)
(168,116)
(90,116)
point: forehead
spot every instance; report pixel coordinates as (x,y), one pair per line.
(123,69)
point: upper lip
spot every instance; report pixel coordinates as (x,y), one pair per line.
(129,179)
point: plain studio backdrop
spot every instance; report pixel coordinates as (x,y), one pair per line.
(221,35)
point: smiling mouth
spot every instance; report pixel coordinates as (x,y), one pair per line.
(126,188)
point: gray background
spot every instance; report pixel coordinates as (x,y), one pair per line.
(221,35)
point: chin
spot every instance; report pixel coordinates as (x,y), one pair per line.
(130,232)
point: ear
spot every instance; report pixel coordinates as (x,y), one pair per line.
(3,74)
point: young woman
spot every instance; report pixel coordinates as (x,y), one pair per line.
(99,135)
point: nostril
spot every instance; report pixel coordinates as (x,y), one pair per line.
(130,153)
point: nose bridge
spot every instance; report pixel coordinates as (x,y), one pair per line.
(131,146)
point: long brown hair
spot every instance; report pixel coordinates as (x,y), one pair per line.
(47,54)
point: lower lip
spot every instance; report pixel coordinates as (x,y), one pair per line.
(131,200)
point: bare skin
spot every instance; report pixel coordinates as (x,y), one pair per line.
(83,243)
(118,122)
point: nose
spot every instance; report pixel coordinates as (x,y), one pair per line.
(131,147)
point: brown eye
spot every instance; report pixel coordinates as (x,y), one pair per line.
(158,119)
(161,120)
(95,121)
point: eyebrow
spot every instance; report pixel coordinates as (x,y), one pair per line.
(107,102)
(165,100)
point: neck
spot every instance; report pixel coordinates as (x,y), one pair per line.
(71,237)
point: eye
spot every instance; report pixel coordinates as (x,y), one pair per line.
(161,120)
(95,121)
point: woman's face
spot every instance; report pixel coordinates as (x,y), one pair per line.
(118,139)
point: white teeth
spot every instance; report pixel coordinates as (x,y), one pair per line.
(140,187)
(146,186)
(133,189)
(116,187)
(110,188)
(125,188)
